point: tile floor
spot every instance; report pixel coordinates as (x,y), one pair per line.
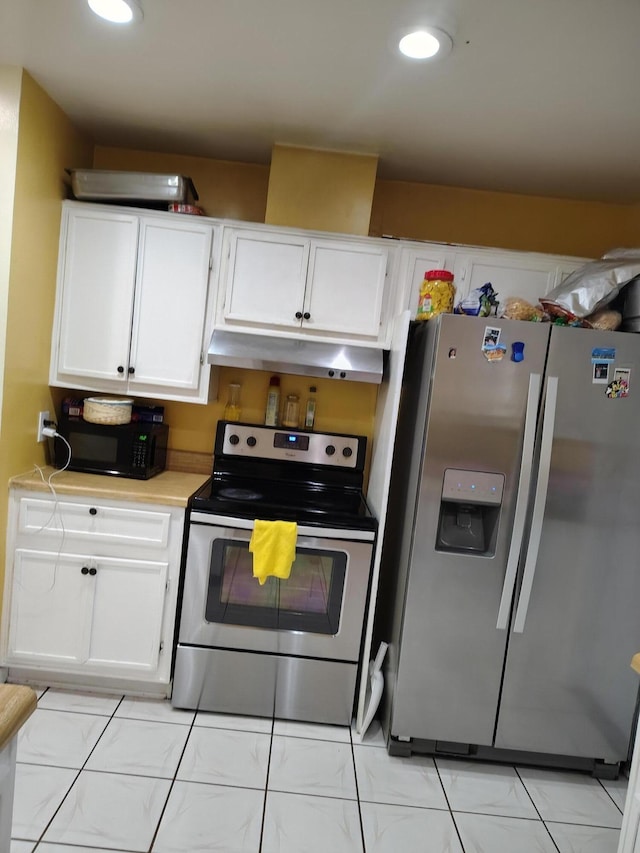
(122,774)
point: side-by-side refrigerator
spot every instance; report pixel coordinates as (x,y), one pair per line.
(511,567)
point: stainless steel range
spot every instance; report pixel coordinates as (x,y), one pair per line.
(289,648)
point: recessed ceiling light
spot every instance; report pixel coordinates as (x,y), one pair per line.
(426,43)
(117,11)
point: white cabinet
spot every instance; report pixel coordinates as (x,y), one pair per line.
(525,274)
(92,588)
(304,285)
(133,307)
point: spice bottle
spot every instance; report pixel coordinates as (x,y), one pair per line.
(310,409)
(273,402)
(291,411)
(232,410)
(436,294)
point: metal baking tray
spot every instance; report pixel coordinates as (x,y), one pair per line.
(115,186)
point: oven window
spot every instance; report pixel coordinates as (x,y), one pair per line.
(309,600)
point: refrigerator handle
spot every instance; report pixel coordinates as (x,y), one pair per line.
(522,498)
(531,560)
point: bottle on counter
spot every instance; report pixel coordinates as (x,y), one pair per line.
(291,417)
(310,409)
(232,410)
(273,402)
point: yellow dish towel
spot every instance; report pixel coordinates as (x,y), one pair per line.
(273,545)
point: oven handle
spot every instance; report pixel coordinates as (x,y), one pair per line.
(211,519)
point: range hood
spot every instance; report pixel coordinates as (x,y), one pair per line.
(301,357)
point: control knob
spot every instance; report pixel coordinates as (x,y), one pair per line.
(330,450)
(251,441)
(347,452)
(234,439)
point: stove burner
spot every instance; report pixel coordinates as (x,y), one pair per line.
(239,494)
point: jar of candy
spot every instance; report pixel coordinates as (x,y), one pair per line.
(436,294)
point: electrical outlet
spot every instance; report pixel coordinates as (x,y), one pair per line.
(42,417)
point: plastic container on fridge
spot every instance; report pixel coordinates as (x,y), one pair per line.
(105,185)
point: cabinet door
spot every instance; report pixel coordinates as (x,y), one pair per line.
(527,276)
(95,293)
(170,305)
(266,277)
(50,609)
(345,288)
(414,263)
(128,607)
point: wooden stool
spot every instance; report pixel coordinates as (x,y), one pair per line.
(17,703)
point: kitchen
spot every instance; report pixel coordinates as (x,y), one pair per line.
(37,181)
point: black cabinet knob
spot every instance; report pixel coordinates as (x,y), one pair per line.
(342,374)
(330,450)
(251,441)
(131,370)
(298,315)
(84,570)
(120,369)
(331,373)
(93,511)
(306,315)
(92,571)
(233,439)
(347,452)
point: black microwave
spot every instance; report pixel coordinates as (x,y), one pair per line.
(137,450)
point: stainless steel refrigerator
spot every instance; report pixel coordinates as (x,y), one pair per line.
(510,588)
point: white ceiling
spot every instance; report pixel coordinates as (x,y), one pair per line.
(538,96)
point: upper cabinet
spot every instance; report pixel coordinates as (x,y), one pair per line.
(133,309)
(304,285)
(525,274)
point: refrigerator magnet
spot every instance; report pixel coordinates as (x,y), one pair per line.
(620,385)
(600,372)
(491,336)
(603,354)
(494,352)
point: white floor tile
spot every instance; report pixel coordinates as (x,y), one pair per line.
(21,846)
(617,790)
(584,839)
(295,823)
(383,778)
(312,731)
(210,819)
(60,738)
(486,789)
(39,790)
(318,767)
(66,848)
(139,747)
(495,834)
(401,829)
(109,810)
(225,757)
(159,710)
(570,797)
(81,702)
(210,720)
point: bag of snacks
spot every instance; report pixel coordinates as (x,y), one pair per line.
(479,303)
(516,308)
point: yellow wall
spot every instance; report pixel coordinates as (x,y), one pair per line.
(321,190)
(47,143)
(226,190)
(10,83)
(501,220)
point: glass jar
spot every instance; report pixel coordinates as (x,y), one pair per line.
(436,294)
(291,411)
(232,410)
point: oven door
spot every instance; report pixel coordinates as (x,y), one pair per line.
(317,612)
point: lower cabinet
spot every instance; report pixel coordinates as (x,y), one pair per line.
(79,601)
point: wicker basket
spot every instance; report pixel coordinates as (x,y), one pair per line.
(104,410)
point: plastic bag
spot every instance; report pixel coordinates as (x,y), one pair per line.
(479,302)
(516,308)
(597,283)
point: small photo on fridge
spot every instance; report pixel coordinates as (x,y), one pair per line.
(601,371)
(491,336)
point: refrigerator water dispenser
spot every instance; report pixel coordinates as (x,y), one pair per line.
(469,512)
